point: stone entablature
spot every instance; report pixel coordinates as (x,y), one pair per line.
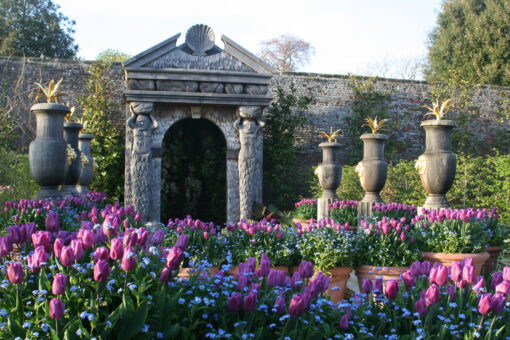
(197,79)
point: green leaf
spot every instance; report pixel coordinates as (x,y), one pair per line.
(131,321)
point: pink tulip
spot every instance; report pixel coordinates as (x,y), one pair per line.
(250,302)
(174,258)
(15,273)
(57,309)
(67,256)
(433,275)
(129,260)
(306,269)
(485,304)
(143,237)
(432,295)
(58,286)
(265,265)
(42,238)
(235,302)
(506,273)
(299,304)
(391,290)
(421,307)
(456,269)
(52,222)
(116,248)
(102,271)
(166,275)
(37,259)
(5,246)
(408,279)
(503,288)
(101,254)
(442,275)
(468,273)
(89,239)
(77,246)
(479,286)
(366,286)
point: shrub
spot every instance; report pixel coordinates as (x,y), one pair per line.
(305,209)
(15,179)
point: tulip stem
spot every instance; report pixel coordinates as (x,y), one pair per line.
(56,329)
(19,304)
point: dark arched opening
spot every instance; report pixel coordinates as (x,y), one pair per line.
(193,171)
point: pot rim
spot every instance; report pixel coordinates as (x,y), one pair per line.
(452,257)
(439,122)
(86,136)
(383,268)
(329,144)
(73,125)
(377,136)
(60,108)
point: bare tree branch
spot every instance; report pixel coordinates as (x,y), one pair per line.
(286,52)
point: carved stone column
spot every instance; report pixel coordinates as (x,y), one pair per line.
(250,127)
(142,125)
(232,186)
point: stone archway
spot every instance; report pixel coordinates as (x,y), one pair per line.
(193,171)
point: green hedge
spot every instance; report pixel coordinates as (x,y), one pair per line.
(15,173)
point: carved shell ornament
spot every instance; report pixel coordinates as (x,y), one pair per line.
(360,169)
(421,165)
(200,39)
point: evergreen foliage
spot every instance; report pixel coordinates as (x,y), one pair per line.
(34,28)
(472,38)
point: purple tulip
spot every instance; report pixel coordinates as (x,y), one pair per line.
(432,295)
(344,322)
(235,302)
(57,308)
(265,265)
(89,239)
(182,242)
(366,286)
(425,267)
(102,271)
(58,286)
(503,288)
(174,257)
(250,264)
(242,282)
(279,304)
(116,248)
(306,269)
(15,273)
(416,268)
(166,275)
(143,237)
(276,278)
(408,279)
(421,307)
(497,278)
(498,303)
(158,237)
(101,254)
(479,286)
(468,273)
(67,256)
(391,290)
(42,238)
(378,285)
(297,281)
(250,302)
(485,304)
(52,222)
(322,281)
(129,260)
(442,275)
(5,246)
(456,271)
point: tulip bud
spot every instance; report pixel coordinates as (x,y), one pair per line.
(432,295)
(433,275)
(182,242)
(235,302)
(5,246)
(89,239)
(506,274)
(344,322)
(306,269)
(77,246)
(503,288)
(58,286)
(456,269)
(166,275)
(174,258)
(129,260)
(468,273)
(485,304)
(102,271)
(57,308)
(265,265)
(67,256)
(498,303)
(421,307)
(116,248)
(391,291)
(101,253)
(442,275)
(250,302)
(378,285)
(366,286)
(408,279)
(52,222)
(15,273)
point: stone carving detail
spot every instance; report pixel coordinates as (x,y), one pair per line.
(255,89)
(140,84)
(200,39)
(250,127)
(234,88)
(142,125)
(211,87)
(177,86)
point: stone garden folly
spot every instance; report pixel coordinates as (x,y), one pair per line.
(197,79)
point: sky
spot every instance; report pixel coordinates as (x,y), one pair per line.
(349,36)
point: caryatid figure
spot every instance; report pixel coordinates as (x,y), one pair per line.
(143,126)
(250,126)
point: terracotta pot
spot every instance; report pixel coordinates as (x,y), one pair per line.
(492,262)
(338,283)
(234,270)
(303,222)
(371,272)
(447,259)
(186,273)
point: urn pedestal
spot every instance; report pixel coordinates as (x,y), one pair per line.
(372,171)
(438,164)
(330,177)
(73,171)
(87,163)
(47,152)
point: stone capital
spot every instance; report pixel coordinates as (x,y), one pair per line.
(141,108)
(250,112)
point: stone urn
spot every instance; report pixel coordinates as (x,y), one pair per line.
(73,171)
(438,164)
(330,177)
(87,166)
(47,152)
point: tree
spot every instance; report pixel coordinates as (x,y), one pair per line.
(112,56)
(472,38)
(286,52)
(34,28)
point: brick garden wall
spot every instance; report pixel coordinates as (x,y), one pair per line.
(332,99)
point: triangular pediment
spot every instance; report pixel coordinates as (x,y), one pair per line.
(199,52)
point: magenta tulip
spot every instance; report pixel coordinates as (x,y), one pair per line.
(344,322)
(408,278)
(306,269)
(5,246)
(67,256)
(506,273)
(15,273)
(378,285)
(77,246)
(52,222)
(101,254)
(129,260)
(58,286)
(89,239)
(265,265)
(468,273)
(235,302)
(503,288)
(279,304)
(497,278)
(158,237)
(456,271)
(102,271)
(391,290)
(498,303)
(57,308)
(42,238)
(366,286)
(485,304)
(432,275)
(166,275)
(276,278)
(57,247)
(442,275)
(432,295)
(116,248)
(479,286)
(182,242)
(299,304)
(421,307)
(174,257)
(250,302)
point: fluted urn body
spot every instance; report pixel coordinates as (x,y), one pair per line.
(330,177)
(47,152)
(373,169)
(87,161)
(437,166)
(73,171)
